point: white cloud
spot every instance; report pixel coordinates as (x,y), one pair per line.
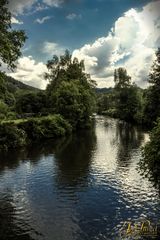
(30,72)
(15,21)
(22,6)
(19,6)
(53,3)
(42,20)
(73,16)
(131,43)
(52,48)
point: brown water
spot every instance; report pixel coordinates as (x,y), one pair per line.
(81,188)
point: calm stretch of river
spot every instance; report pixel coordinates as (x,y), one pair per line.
(81,188)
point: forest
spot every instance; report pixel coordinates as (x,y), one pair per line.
(28,114)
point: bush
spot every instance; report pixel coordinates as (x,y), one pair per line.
(45,127)
(19,132)
(3,110)
(151,152)
(150,162)
(11,136)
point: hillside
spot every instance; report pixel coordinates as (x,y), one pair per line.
(14,85)
(104,90)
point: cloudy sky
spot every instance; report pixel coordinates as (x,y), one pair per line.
(105,33)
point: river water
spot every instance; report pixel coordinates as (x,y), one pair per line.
(86,187)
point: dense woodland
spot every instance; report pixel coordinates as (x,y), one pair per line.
(28,114)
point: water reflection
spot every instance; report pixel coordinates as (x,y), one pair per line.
(9,229)
(74,160)
(128,138)
(82,187)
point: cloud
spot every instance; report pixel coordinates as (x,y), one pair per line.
(131,43)
(30,72)
(52,48)
(15,21)
(53,3)
(42,20)
(73,16)
(19,6)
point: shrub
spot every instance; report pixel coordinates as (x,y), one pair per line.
(19,132)
(45,127)
(11,136)
(3,110)
(150,162)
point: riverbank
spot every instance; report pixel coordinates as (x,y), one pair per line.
(20,132)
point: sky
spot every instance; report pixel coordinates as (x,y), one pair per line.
(106,34)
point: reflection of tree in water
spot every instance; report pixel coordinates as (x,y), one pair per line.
(74,160)
(12,159)
(8,228)
(128,138)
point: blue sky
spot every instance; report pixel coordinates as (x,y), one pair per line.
(55,25)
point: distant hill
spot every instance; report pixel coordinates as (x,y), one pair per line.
(14,85)
(104,90)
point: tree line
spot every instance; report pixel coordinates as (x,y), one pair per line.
(128,102)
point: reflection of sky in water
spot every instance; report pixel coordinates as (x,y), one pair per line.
(84,188)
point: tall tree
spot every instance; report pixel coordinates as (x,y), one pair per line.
(154,76)
(121,79)
(71,90)
(152,104)
(11,40)
(126,95)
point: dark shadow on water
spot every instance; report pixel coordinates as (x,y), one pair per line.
(33,153)
(128,138)
(74,160)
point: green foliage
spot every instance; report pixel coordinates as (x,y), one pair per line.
(11,136)
(152,96)
(3,110)
(11,40)
(121,79)
(125,100)
(5,95)
(45,127)
(73,101)
(150,162)
(21,132)
(31,102)
(70,91)
(127,103)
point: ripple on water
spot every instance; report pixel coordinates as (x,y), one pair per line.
(85,188)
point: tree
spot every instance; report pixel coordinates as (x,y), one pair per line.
(6,96)
(3,110)
(71,90)
(31,102)
(121,79)
(127,102)
(150,162)
(152,96)
(63,68)
(154,76)
(11,40)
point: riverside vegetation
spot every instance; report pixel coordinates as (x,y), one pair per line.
(28,114)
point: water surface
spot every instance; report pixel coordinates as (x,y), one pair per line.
(81,188)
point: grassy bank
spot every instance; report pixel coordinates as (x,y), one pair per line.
(20,132)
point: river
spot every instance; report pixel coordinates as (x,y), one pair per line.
(85,187)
